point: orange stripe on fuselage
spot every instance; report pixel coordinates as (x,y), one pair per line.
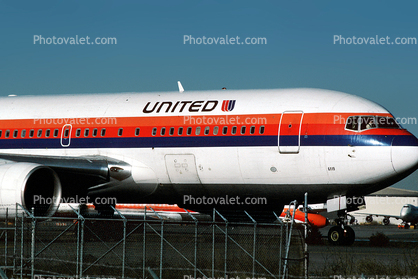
(312,124)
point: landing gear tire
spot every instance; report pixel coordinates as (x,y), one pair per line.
(386,221)
(335,234)
(340,236)
(369,219)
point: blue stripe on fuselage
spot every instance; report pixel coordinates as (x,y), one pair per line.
(211,141)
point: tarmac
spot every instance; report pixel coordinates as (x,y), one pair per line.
(399,257)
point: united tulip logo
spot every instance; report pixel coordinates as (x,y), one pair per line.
(228,105)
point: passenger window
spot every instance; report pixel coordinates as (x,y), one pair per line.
(243,128)
(225,130)
(15,132)
(352,123)
(171,132)
(234,130)
(23,133)
(261,130)
(207,129)
(120,132)
(39,133)
(56,133)
(154,131)
(86,132)
(66,133)
(103,132)
(162,131)
(47,133)
(180,131)
(215,130)
(94,132)
(252,130)
(0,133)
(31,133)
(7,134)
(78,133)
(189,131)
(137,130)
(197,131)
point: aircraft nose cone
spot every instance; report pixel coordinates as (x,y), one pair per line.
(405,213)
(405,153)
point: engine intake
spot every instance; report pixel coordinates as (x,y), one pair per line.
(31,185)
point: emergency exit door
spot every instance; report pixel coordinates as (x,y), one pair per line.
(289,131)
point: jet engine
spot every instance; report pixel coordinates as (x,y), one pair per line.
(30,185)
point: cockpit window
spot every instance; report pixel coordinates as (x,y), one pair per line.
(387,122)
(352,123)
(367,122)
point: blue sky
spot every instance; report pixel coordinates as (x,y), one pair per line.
(150,54)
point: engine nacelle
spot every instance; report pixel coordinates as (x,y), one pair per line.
(31,185)
(130,180)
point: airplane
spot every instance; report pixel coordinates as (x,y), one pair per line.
(314,219)
(408,214)
(173,212)
(233,150)
(166,212)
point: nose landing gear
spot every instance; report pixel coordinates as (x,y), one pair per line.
(341,234)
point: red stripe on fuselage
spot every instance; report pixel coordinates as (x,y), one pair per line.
(312,124)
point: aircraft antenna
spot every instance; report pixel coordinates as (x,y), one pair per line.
(181,89)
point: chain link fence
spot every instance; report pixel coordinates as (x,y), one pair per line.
(65,247)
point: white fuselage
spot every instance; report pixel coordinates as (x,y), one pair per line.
(193,144)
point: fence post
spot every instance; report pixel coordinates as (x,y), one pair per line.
(281,242)
(15,242)
(21,245)
(161,248)
(213,244)
(81,246)
(289,237)
(6,236)
(226,248)
(306,235)
(80,242)
(254,240)
(195,242)
(124,240)
(32,254)
(77,269)
(124,249)
(162,242)
(144,243)
(226,241)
